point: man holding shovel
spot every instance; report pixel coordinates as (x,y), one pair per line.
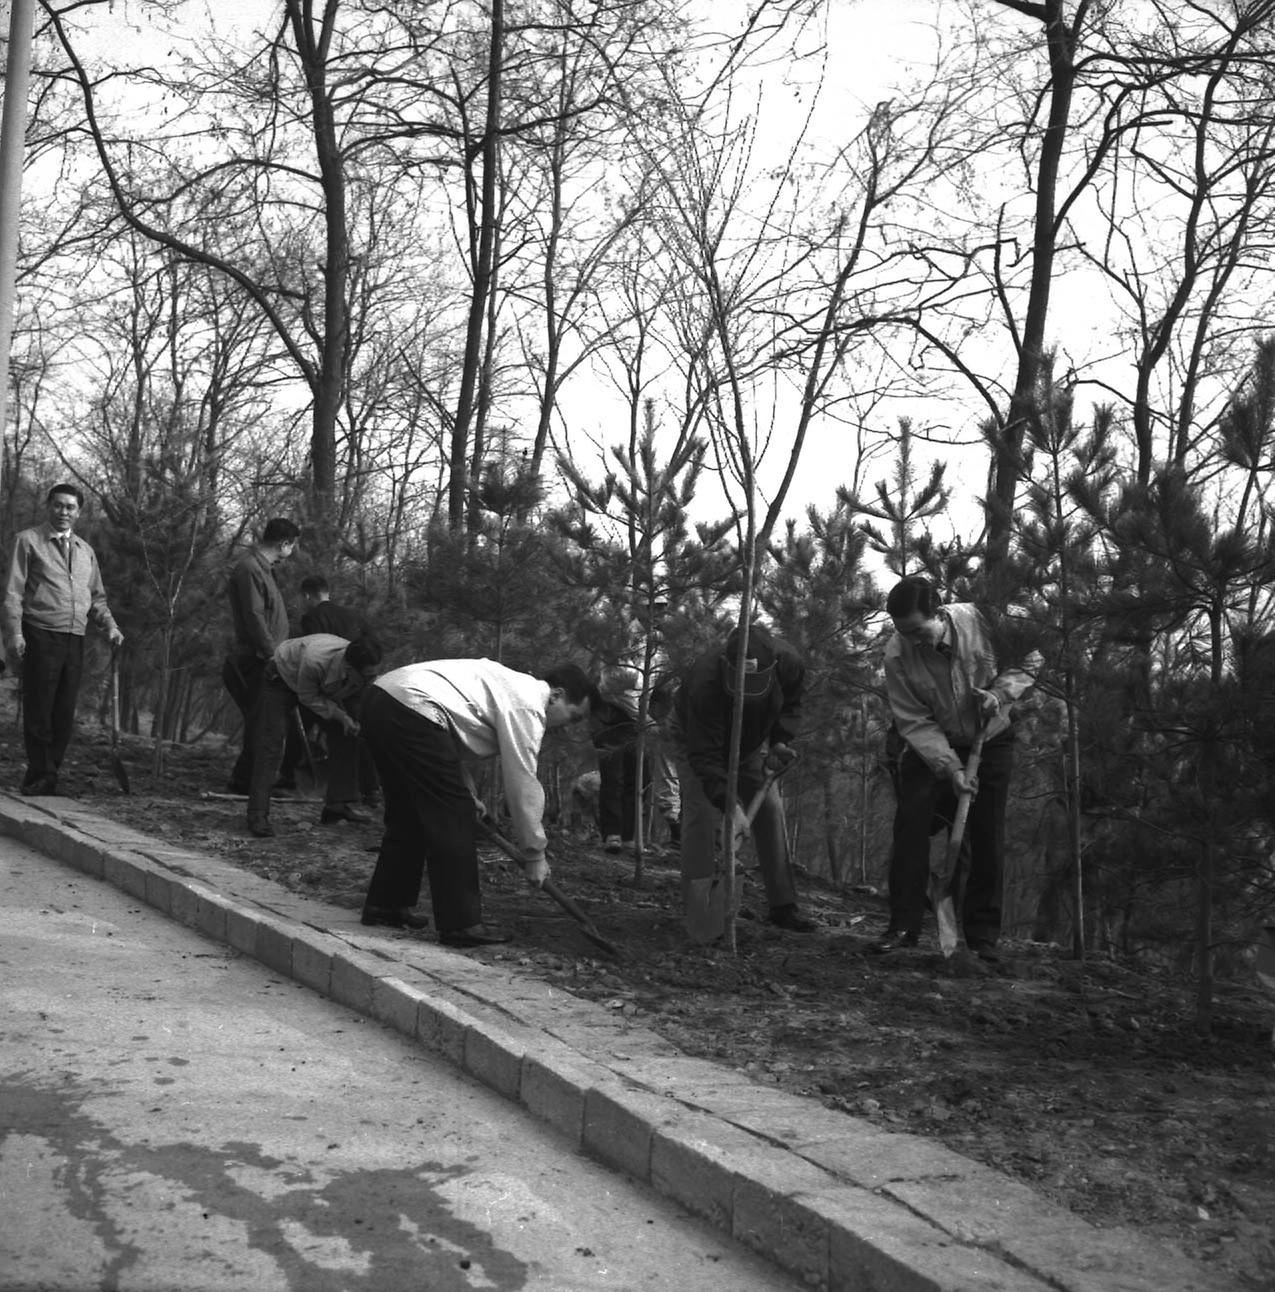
(424,723)
(946,693)
(701,724)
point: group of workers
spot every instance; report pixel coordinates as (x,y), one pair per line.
(408,738)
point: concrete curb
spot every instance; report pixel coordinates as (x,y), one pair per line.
(827,1197)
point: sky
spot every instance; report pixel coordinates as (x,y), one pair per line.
(866,44)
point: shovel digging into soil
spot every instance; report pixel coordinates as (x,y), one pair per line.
(587,926)
(706,898)
(117,765)
(940,885)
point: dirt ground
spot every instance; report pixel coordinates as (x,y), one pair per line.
(1088,1084)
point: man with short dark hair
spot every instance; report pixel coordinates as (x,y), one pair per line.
(320,614)
(774,679)
(424,723)
(260,620)
(54,590)
(944,687)
(326,675)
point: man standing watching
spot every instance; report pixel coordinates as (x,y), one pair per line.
(327,675)
(54,589)
(944,688)
(260,623)
(320,614)
(773,681)
(424,722)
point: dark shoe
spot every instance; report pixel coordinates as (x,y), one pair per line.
(612,844)
(336,813)
(284,785)
(262,828)
(893,940)
(477,935)
(372,799)
(234,787)
(394,917)
(790,918)
(985,951)
(42,785)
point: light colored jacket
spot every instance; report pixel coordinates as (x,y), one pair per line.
(314,669)
(932,696)
(49,595)
(492,711)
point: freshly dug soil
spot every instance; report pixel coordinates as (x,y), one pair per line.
(1087,1082)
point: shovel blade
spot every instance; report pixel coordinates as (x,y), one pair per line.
(705,910)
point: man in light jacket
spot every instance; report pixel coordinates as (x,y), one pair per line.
(945,686)
(423,723)
(54,590)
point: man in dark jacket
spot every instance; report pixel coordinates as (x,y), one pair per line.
(773,681)
(261,623)
(320,614)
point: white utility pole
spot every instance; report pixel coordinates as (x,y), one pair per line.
(13,132)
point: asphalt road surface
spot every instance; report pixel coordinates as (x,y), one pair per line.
(174,1116)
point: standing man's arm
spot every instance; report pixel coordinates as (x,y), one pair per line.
(915,721)
(14,592)
(99,611)
(250,592)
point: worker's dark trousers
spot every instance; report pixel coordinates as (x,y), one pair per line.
(51,671)
(244,677)
(923,797)
(617,802)
(429,815)
(274,724)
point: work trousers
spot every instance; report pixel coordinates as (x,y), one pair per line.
(275,721)
(244,677)
(51,670)
(429,815)
(617,809)
(701,822)
(923,796)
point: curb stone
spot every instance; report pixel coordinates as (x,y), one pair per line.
(829,1198)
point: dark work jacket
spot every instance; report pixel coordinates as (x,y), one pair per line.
(338,621)
(703,708)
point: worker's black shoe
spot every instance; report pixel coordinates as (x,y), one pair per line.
(893,940)
(477,935)
(261,827)
(394,917)
(335,813)
(41,786)
(985,951)
(790,918)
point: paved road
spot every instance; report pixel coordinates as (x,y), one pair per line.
(174,1116)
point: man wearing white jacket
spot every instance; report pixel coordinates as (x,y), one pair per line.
(423,723)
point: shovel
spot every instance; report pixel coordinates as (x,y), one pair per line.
(587,926)
(117,765)
(706,898)
(944,906)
